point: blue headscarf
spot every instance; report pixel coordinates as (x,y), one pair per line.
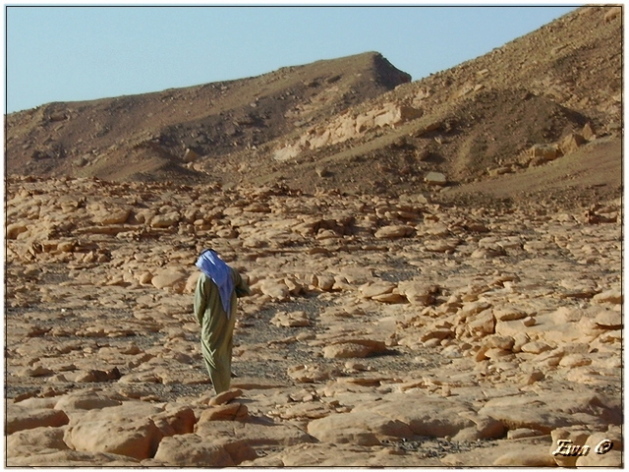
(213,266)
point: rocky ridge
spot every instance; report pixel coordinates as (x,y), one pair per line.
(156,135)
(358,123)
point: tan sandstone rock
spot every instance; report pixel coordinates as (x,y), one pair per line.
(191,450)
(361,428)
(20,418)
(114,430)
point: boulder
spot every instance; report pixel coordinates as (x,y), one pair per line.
(355,348)
(84,401)
(418,293)
(34,441)
(373,289)
(19,418)
(122,430)
(174,278)
(394,232)
(435,178)
(311,373)
(225,397)
(543,413)
(137,438)
(542,153)
(509,313)
(363,428)
(609,296)
(609,319)
(112,216)
(571,143)
(254,432)
(68,458)
(482,324)
(175,420)
(225,412)
(323,282)
(15,229)
(295,319)
(575,360)
(276,290)
(424,415)
(191,450)
(535,347)
(165,220)
(496,341)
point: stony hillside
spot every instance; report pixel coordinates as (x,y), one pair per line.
(152,136)
(359,124)
(520,106)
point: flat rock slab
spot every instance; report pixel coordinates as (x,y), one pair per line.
(20,418)
(341,455)
(70,458)
(255,432)
(424,415)
(362,428)
(545,413)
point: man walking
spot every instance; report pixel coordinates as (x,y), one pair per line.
(215,300)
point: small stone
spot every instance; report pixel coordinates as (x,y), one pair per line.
(225,397)
(435,178)
(610,296)
(20,418)
(575,360)
(373,289)
(394,232)
(609,319)
(535,347)
(226,412)
(529,321)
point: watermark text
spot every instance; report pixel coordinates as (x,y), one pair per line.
(565,447)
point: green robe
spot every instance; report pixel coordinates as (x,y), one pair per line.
(216,329)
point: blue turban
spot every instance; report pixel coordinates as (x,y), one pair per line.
(213,266)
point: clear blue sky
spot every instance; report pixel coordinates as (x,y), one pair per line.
(67,53)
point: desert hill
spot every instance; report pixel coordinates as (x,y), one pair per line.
(134,137)
(359,124)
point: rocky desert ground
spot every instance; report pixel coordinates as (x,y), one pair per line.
(436,266)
